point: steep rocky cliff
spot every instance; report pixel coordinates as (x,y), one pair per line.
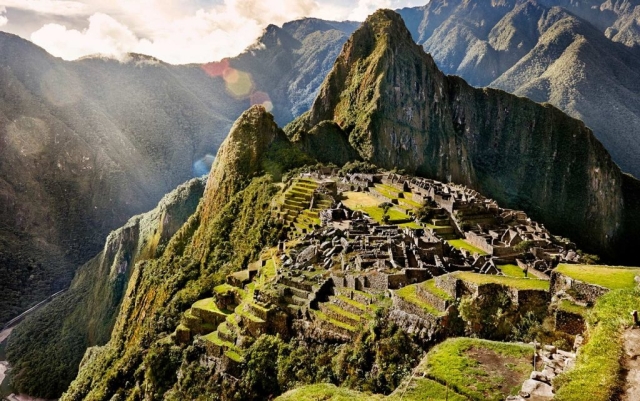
(46,349)
(399,111)
(581,56)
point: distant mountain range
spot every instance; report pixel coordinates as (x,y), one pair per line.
(580,56)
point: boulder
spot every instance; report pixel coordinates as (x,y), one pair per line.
(537,389)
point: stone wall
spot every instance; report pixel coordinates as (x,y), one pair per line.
(408,307)
(479,242)
(577,289)
(536,301)
(436,301)
(449,284)
(571,323)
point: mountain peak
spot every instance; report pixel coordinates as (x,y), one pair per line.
(393,107)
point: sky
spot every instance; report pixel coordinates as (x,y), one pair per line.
(175,31)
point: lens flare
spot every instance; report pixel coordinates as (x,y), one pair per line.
(263,99)
(239,83)
(216,69)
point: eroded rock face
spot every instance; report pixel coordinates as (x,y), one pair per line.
(398,110)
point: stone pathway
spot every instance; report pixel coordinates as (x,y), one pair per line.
(631,363)
(538,387)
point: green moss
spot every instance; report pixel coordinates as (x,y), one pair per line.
(462,244)
(519,283)
(605,276)
(511,270)
(598,367)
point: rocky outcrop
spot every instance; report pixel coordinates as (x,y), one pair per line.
(399,111)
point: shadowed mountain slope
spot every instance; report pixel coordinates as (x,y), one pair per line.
(561,52)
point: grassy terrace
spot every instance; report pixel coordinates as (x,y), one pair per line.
(568,306)
(338,310)
(430,285)
(410,295)
(519,283)
(511,270)
(606,276)
(221,289)
(368,204)
(597,370)
(479,369)
(209,304)
(316,392)
(462,244)
(336,323)
(420,388)
(353,303)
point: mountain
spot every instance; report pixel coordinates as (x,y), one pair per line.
(581,56)
(57,335)
(86,145)
(397,110)
(386,100)
(89,143)
(287,65)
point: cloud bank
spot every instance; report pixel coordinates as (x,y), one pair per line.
(177,32)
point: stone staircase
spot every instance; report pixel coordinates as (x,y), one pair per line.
(345,311)
(441,226)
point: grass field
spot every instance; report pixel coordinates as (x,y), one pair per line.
(462,244)
(606,276)
(568,306)
(511,270)
(316,392)
(368,204)
(479,369)
(519,283)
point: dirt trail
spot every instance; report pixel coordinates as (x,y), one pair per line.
(631,364)
(5,333)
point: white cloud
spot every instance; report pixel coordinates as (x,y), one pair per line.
(367,7)
(105,35)
(176,31)
(3,18)
(55,7)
